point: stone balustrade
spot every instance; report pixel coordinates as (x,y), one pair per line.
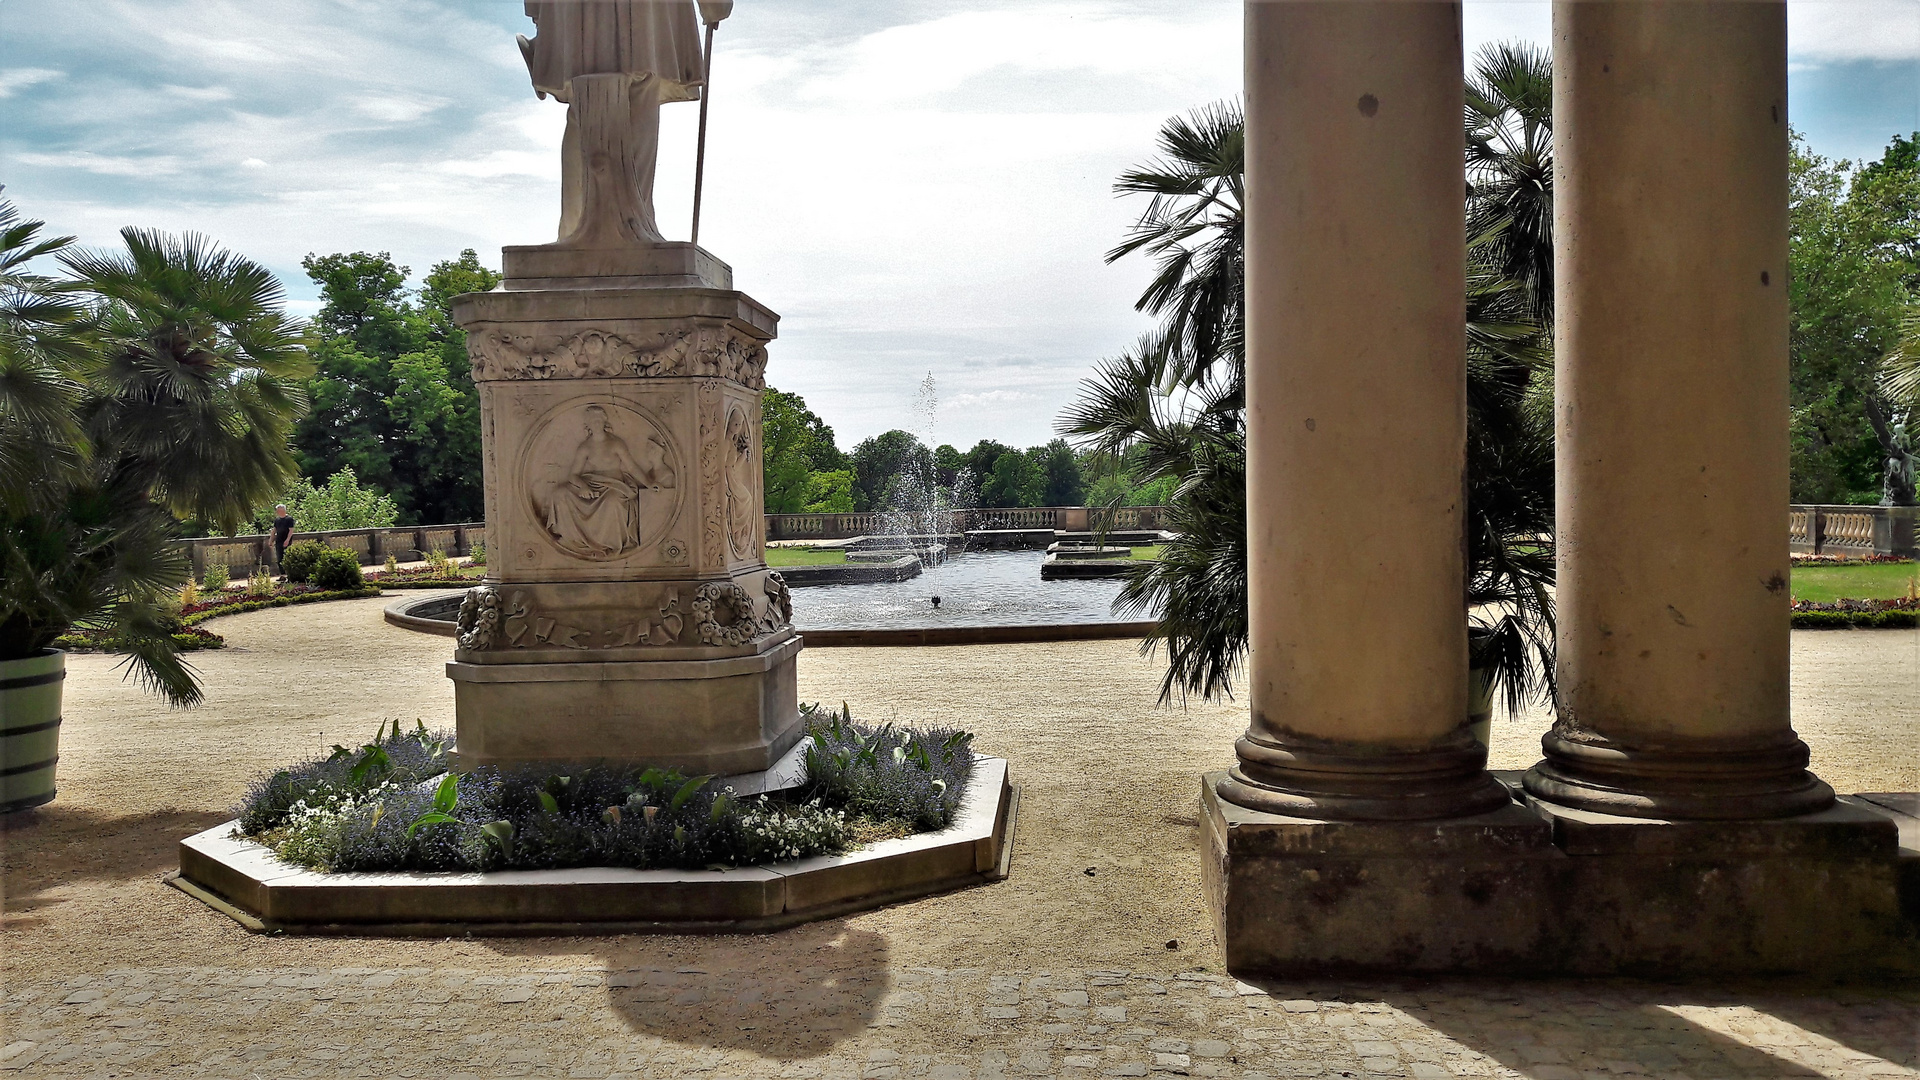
(242,553)
(1853,530)
(1068,518)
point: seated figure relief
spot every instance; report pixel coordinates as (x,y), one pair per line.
(593,509)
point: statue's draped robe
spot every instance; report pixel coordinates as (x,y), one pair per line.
(660,38)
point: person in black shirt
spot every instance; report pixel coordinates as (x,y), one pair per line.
(282,532)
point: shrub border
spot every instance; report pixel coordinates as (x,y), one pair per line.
(241,607)
(1885,619)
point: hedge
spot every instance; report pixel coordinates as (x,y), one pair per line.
(1891,619)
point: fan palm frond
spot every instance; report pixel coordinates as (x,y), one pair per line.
(202,374)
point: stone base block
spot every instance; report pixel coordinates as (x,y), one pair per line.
(733,715)
(668,265)
(1532,889)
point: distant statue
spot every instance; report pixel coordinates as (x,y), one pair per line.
(613,62)
(1898,490)
(1896,437)
(593,512)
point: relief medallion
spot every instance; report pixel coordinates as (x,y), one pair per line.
(602,480)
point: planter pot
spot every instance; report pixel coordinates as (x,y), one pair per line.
(1480,704)
(29,728)
(1479,691)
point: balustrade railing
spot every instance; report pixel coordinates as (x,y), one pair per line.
(1069,518)
(371,546)
(407,543)
(1852,530)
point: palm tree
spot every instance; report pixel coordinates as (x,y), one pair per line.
(1509,132)
(201,373)
(170,393)
(1175,406)
(1176,402)
(40,357)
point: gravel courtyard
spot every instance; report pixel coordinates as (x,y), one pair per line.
(1055,972)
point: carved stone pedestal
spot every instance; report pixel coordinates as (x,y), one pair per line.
(627,613)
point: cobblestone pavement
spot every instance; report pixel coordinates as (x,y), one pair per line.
(958,1024)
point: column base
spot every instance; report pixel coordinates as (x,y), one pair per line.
(1696,780)
(1325,779)
(1536,890)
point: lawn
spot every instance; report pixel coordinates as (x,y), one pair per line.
(1864,581)
(1151,551)
(805,556)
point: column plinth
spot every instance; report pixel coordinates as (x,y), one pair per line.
(1356,415)
(1671,414)
(1318,778)
(1694,780)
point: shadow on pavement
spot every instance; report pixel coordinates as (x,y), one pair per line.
(795,994)
(1563,1029)
(65,844)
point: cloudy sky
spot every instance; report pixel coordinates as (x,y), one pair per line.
(916,186)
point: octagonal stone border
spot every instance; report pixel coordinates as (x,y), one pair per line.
(245,881)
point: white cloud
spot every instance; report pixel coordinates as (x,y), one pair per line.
(200,93)
(15,79)
(917,186)
(1838,30)
(398,109)
(102,164)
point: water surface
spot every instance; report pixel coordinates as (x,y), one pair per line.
(980,588)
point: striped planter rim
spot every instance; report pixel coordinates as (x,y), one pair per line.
(30,694)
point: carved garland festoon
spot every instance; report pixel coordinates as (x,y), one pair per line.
(713,351)
(479,619)
(722,613)
(709,603)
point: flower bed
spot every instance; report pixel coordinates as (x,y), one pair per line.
(188,636)
(421,579)
(1902,613)
(283,595)
(1847,560)
(380,807)
(187,639)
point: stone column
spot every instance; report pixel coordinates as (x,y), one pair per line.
(1671,399)
(1356,377)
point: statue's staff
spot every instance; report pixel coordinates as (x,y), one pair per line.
(711,12)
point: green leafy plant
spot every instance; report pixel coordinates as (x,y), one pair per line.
(446,798)
(340,503)
(216,577)
(298,560)
(336,569)
(477,553)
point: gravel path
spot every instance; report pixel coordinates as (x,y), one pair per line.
(108,971)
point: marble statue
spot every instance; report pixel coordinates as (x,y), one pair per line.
(628,612)
(614,62)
